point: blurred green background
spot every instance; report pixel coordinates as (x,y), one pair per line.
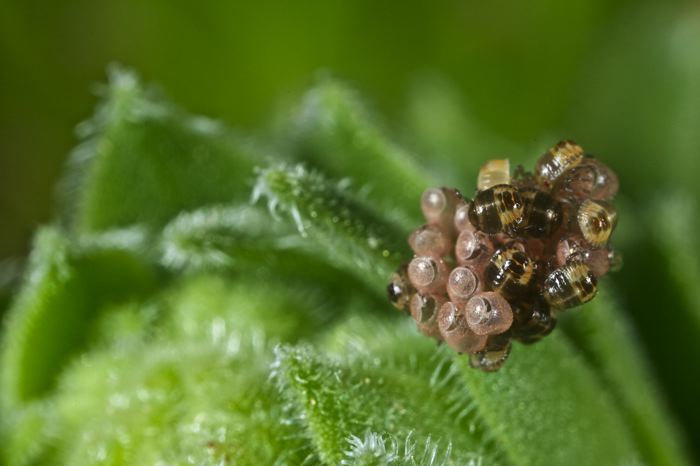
(621,77)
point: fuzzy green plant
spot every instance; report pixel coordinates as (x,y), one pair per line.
(201,300)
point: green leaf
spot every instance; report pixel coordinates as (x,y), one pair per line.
(247,240)
(674,226)
(360,404)
(204,308)
(547,407)
(223,237)
(661,276)
(27,434)
(336,133)
(143,161)
(175,361)
(64,289)
(657,286)
(603,335)
(166,402)
(337,224)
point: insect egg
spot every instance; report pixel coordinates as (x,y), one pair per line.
(438,206)
(429,240)
(494,355)
(426,273)
(455,331)
(492,173)
(497,209)
(461,220)
(558,159)
(570,285)
(542,214)
(400,289)
(615,260)
(597,220)
(488,313)
(433,203)
(472,248)
(591,179)
(597,260)
(510,271)
(424,309)
(567,248)
(461,284)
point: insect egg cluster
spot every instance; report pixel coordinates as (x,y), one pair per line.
(501,266)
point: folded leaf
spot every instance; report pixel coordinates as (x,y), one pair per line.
(356,406)
(339,226)
(169,401)
(222,237)
(247,240)
(143,161)
(335,132)
(660,283)
(27,434)
(184,375)
(62,294)
(603,335)
(207,308)
(547,407)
